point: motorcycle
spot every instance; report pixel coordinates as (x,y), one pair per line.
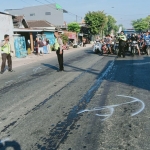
(148,49)
(134,48)
(65,47)
(97,48)
(116,48)
(104,49)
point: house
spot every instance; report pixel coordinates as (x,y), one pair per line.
(51,12)
(20,22)
(47,29)
(6,27)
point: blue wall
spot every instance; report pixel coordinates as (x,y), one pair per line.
(50,36)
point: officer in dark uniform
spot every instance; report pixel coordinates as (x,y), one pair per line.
(122,43)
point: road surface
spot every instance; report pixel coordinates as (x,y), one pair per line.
(98,103)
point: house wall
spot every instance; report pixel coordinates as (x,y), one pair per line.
(38,13)
(50,36)
(6,27)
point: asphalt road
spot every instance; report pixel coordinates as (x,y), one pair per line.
(98,103)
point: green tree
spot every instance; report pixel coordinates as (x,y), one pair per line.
(141,24)
(96,21)
(111,25)
(74,27)
(64,38)
(120,25)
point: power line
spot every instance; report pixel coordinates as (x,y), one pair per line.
(128,15)
(24,1)
(70,13)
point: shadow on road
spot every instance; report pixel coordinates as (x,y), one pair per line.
(50,66)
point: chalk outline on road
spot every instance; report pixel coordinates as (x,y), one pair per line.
(4,140)
(9,81)
(36,69)
(22,75)
(111,108)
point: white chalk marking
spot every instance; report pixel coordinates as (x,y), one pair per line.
(9,81)
(36,69)
(4,140)
(111,108)
(22,75)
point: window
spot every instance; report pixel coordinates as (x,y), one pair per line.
(33,14)
(48,13)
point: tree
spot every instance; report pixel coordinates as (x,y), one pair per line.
(64,38)
(111,25)
(96,21)
(74,27)
(141,24)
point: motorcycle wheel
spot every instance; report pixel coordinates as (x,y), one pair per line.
(96,51)
(148,51)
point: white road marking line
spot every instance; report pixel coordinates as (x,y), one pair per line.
(144,63)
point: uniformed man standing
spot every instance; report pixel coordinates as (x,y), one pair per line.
(122,43)
(58,46)
(6,54)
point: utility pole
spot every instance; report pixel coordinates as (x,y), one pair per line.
(76,18)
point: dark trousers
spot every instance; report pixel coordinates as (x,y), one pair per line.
(9,61)
(121,50)
(60,59)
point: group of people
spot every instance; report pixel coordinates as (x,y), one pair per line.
(42,46)
(6,51)
(125,43)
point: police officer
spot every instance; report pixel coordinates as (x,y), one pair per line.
(58,46)
(122,43)
(6,54)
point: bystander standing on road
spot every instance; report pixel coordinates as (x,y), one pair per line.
(6,54)
(40,47)
(59,51)
(84,42)
(48,46)
(36,46)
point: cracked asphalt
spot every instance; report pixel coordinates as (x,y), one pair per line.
(79,109)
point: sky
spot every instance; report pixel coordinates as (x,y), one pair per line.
(124,11)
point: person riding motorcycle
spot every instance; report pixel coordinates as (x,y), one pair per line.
(147,41)
(134,38)
(122,42)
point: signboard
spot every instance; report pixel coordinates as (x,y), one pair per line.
(58,6)
(71,35)
(80,34)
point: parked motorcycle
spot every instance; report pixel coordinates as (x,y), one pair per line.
(148,49)
(97,48)
(65,47)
